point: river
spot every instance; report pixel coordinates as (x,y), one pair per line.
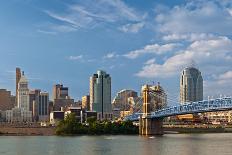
(169,144)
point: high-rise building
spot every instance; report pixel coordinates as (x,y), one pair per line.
(23,93)
(21,113)
(100,94)
(86,102)
(43,106)
(39,105)
(191,85)
(18,77)
(60,92)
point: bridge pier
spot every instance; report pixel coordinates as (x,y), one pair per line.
(150,126)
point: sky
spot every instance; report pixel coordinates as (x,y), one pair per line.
(136,42)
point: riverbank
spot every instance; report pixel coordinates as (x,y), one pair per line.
(27,131)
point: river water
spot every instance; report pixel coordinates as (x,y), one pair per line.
(169,144)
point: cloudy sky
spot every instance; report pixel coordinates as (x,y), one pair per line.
(137,42)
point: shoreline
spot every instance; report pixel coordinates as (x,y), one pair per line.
(50,131)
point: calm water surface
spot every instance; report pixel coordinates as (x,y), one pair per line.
(170,144)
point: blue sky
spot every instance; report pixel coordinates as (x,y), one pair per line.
(137,42)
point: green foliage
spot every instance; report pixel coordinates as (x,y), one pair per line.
(70,126)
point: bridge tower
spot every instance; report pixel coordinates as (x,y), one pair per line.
(148,125)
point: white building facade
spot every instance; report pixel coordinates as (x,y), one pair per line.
(21,113)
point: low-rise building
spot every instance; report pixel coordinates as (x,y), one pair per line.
(220,116)
(56,116)
(18,115)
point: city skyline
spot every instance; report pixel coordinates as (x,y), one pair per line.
(66,42)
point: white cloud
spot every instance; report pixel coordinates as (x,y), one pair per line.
(152,49)
(78,57)
(196,17)
(46,32)
(132,28)
(220,85)
(211,55)
(89,14)
(188,37)
(110,55)
(225,77)
(150,61)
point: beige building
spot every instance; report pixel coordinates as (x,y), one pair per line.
(86,102)
(219,117)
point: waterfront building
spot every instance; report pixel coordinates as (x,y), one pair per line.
(191,85)
(17,115)
(100,94)
(77,111)
(121,101)
(7,101)
(219,117)
(60,92)
(86,102)
(56,116)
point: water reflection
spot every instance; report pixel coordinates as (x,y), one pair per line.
(183,144)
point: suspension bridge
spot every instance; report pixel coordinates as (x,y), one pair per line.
(151,119)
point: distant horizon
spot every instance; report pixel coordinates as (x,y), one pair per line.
(135,42)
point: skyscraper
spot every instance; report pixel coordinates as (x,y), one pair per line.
(18,77)
(39,104)
(100,94)
(191,85)
(23,93)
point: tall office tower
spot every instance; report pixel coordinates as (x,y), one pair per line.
(100,94)
(191,85)
(43,106)
(60,92)
(86,102)
(39,105)
(23,93)
(18,77)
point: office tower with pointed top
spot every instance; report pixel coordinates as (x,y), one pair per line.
(100,94)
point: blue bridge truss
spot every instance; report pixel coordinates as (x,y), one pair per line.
(213,105)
